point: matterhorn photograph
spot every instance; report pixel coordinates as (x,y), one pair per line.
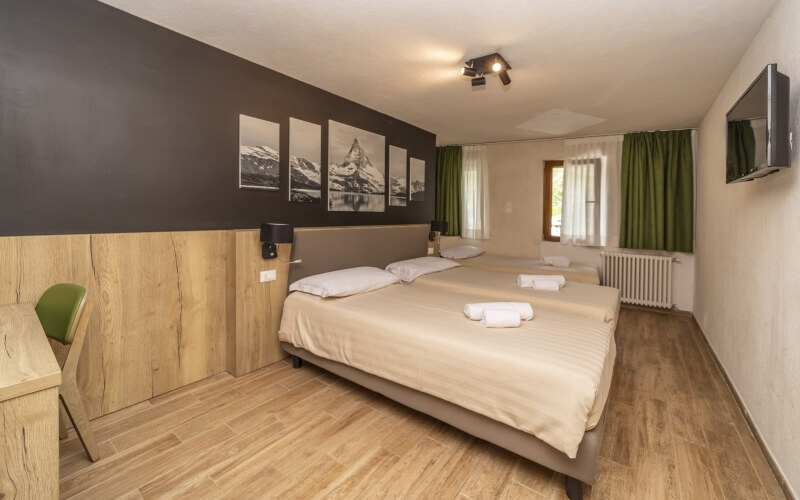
(356,169)
(259,153)
(305,164)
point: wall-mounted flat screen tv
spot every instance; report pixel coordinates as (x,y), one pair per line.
(758,129)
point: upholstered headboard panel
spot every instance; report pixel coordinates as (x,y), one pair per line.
(326,249)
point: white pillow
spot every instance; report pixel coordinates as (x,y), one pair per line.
(409,270)
(462,252)
(345,282)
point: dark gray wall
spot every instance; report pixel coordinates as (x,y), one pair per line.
(109,123)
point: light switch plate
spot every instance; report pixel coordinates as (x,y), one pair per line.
(270,275)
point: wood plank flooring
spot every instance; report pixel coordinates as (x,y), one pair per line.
(673,431)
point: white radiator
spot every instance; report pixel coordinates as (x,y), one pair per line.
(642,280)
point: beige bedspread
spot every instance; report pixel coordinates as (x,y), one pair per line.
(596,302)
(582,273)
(550,377)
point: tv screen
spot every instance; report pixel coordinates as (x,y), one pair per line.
(758,141)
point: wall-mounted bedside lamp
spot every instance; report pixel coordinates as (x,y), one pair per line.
(273,233)
(437,225)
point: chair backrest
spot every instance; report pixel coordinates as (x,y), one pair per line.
(59,309)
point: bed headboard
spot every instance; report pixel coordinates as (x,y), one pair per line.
(326,249)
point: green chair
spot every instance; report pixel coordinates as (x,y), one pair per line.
(64,314)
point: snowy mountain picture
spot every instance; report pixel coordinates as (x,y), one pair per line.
(356,169)
(259,154)
(398,176)
(305,163)
(417,180)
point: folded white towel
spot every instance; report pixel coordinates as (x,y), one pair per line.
(545,285)
(527,280)
(555,261)
(475,311)
(499,318)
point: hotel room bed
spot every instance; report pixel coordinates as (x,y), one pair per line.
(548,378)
(596,302)
(582,273)
(587,352)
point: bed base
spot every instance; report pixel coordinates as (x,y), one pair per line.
(578,470)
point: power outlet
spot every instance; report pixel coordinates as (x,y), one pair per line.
(270,275)
(430,250)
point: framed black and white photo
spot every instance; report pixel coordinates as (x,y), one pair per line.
(259,154)
(417,180)
(398,177)
(356,169)
(305,161)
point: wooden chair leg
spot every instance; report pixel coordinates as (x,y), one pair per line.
(62,425)
(71,398)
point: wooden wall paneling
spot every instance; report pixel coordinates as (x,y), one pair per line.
(201,262)
(258,305)
(137,278)
(168,308)
(9,272)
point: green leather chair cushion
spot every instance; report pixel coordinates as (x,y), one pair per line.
(58,309)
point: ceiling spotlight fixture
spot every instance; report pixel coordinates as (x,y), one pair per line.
(504,77)
(480,66)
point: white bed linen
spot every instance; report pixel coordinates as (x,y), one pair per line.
(596,302)
(549,377)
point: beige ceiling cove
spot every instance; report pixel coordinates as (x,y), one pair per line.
(629,64)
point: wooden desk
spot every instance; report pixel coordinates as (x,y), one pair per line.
(29,380)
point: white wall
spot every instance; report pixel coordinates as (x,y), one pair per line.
(516,177)
(748,265)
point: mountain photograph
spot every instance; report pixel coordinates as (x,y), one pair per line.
(357,182)
(417,180)
(258,167)
(259,154)
(305,164)
(398,176)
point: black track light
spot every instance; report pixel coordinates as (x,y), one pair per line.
(477,67)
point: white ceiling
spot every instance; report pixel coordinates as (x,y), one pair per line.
(634,64)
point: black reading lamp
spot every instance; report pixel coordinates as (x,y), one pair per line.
(437,225)
(273,233)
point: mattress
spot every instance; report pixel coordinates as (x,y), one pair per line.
(550,377)
(596,302)
(582,273)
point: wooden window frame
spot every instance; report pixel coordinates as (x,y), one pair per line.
(547,216)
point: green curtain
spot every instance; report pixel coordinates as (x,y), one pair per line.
(448,188)
(741,149)
(657,191)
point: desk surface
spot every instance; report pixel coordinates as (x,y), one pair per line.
(27,363)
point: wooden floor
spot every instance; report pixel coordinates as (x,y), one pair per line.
(673,431)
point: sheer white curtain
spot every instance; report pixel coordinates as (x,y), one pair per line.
(590,210)
(475,193)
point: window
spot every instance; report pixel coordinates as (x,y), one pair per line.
(590,207)
(553,194)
